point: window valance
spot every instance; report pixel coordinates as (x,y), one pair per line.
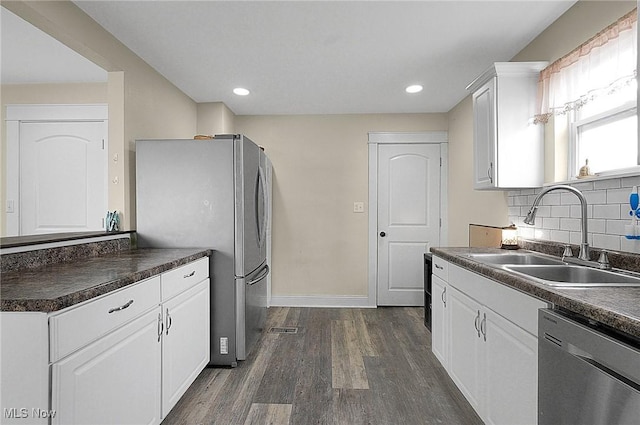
(604,64)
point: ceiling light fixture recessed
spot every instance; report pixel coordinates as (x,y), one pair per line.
(240,91)
(416,88)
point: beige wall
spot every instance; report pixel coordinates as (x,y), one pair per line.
(320,168)
(466,205)
(142,103)
(215,118)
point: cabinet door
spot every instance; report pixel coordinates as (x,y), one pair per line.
(185,345)
(465,345)
(440,322)
(510,372)
(115,380)
(484,136)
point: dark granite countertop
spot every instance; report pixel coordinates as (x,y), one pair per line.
(615,307)
(60,285)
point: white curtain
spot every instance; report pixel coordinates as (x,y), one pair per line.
(603,65)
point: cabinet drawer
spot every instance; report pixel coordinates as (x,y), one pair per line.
(79,325)
(441,268)
(179,280)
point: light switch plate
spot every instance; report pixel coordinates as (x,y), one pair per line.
(358,207)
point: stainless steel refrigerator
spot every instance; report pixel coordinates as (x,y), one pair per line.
(212,194)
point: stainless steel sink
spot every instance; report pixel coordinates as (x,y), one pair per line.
(574,276)
(512,258)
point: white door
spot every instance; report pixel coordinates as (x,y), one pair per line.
(408,219)
(63,169)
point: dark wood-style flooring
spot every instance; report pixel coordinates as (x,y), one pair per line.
(343,366)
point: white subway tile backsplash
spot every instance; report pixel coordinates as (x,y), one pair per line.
(583,186)
(596,197)
(618,196)
(630,245)
(568,198)
(597,225)
(570,224)
(558,217)
(551,223)
(576,211)
(560,236)
(606,211)
(551,199)
(607,241)
(607,184)
(543,211)
(615,227)
(631,181)
(560,211)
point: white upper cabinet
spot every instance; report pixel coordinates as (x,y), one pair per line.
(508,146)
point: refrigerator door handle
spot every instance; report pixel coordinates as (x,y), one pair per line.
(261,219)
(265,272)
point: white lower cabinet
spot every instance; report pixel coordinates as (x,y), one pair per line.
(185,343)
(439,319)
(115,380)
(466,351)
(510,373)
(492,346)
(112,364)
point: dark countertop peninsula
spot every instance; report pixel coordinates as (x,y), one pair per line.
(615,307)
(56,286)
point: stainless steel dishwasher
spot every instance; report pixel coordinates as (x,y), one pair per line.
(585,376)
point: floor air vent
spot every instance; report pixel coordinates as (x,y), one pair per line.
(284,330)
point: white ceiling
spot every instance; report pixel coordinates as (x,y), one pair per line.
(324,57)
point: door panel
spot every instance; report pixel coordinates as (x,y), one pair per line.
(408,219)
(250,208)
(63,169)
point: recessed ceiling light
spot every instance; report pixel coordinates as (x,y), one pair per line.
(240,91)
(417,88)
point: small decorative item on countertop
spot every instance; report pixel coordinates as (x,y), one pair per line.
(585,171)
(112,223)
(632,230)
(202,137)
(509,237)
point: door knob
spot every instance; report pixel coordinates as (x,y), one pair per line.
(383,234)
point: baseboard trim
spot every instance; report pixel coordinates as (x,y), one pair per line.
(345,301)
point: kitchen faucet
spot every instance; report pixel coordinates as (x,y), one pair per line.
(531,216)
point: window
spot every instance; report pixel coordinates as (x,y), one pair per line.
(595,87)
(604,132)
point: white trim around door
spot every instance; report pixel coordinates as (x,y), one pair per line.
(376,139)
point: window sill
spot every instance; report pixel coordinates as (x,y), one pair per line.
(628,172)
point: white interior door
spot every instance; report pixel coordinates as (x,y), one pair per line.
(63,169)
(408,219)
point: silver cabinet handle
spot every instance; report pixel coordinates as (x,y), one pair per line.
(476,323)
(189,275)
(168,321)
(122,307)
(439,267)
(483,326)
(444,299)
(160,326)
